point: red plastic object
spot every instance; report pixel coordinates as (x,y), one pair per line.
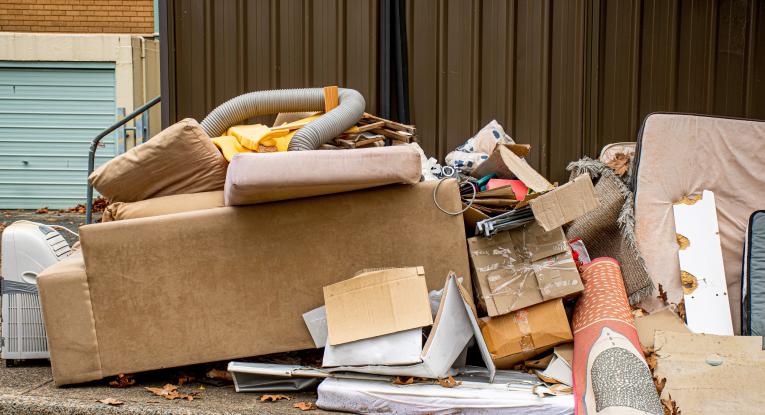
(519,189)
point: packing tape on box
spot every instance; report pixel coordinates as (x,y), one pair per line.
(526,342)
(523,271)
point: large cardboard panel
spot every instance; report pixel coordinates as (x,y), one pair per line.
(250,272)
(731,384)
(376,303)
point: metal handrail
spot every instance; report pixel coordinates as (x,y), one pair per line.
(94,145)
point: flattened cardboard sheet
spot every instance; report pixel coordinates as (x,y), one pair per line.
(377,303)
(664,320)
(731,385)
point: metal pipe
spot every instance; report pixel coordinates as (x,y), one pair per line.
(94,146)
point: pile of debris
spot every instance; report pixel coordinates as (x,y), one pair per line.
(477,285)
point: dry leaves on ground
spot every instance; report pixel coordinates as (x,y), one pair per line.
(304,406)
(170,392)
(406,380)
(448,382)
(274,398)
(219,374)
(670,406)
(42,211)
(122,381)
(110,401)
(184,379)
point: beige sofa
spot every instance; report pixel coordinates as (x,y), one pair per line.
(231,282)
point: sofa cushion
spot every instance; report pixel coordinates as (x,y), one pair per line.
(163,206)
(180,159)
(266,177)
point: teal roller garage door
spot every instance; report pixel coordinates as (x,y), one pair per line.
(49,113)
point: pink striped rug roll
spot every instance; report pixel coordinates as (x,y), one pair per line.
(611,375)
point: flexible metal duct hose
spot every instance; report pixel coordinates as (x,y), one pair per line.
(314,134)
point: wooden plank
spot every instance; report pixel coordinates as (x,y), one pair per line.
(330,98)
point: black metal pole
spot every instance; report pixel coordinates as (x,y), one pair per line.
(94,146)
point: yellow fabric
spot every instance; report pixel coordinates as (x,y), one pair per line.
(252,137)
(229,146)
(255,135)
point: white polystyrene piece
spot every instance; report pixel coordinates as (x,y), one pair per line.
(706,306)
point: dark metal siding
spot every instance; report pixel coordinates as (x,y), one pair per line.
(567,76)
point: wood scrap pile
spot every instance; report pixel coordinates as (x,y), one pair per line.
(373,131)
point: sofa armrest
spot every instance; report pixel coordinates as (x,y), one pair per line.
(69,323)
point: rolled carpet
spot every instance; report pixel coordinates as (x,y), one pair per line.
(611,375)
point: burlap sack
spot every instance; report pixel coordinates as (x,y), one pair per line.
(608,231)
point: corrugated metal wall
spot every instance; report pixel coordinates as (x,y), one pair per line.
(567,76)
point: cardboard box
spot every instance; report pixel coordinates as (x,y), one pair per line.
(248,272)
(566,203)
(455,325)
(513,338)
(376,303)
(554,206)
(522,267)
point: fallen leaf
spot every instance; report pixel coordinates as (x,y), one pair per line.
(680,309)
(398,380)
(670,406)
(662,294)
(304,406)
(42,211)
(274,398)
(170,392)
(660,384)
(448,382)
(650,359)
(122,381)
(219,374)
(620,164)
(184,379)
(111,401)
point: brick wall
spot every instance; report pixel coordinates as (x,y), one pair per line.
(77,16)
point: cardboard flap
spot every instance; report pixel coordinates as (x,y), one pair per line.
(565,203)
(377,303)
(508,165)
